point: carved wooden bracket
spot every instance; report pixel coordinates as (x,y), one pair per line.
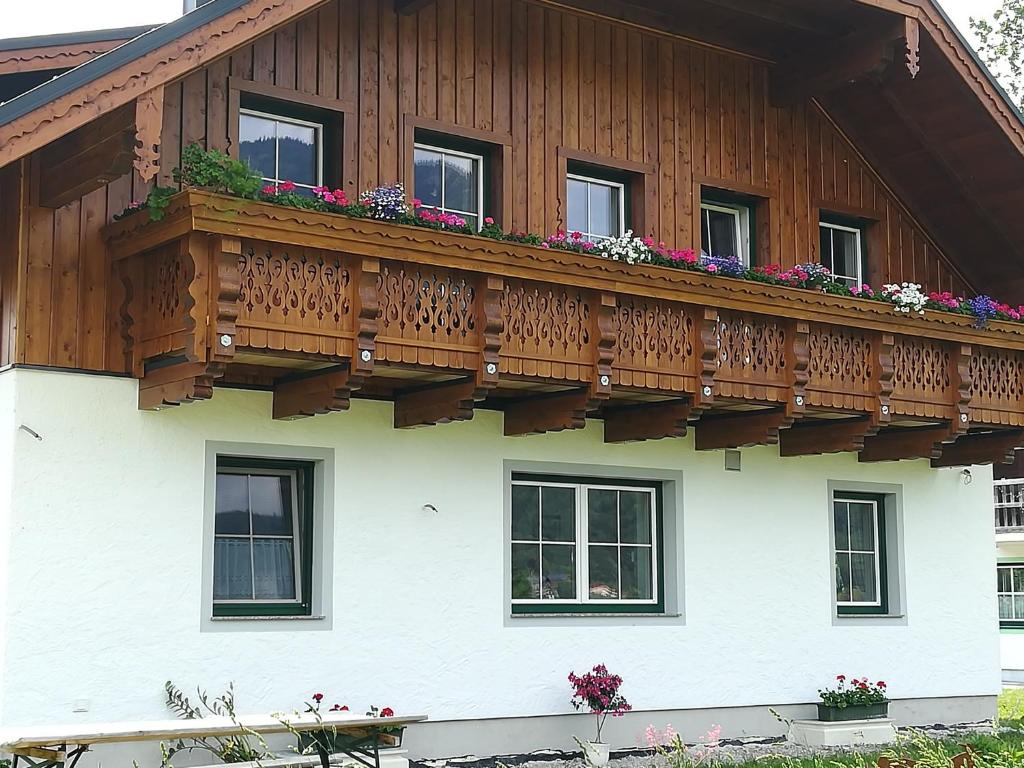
(827,436)
(707,367)
(649,421)
(742,430)
(908,443)
(985,448)
(315,394)
(912,36)
(149,116)
(455,402)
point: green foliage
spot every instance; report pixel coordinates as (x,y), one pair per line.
(229,749)
(1011,708)
(213,170)
(1001,45)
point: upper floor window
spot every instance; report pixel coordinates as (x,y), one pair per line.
(860,553)
(842,252)
(450,181)
(282,148)
(262,559)
(725,230)
(585,547)
(597,207)
(1010,587)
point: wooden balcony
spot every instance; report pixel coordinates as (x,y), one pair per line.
(317,307)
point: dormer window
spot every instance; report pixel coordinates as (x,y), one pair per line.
(282,148)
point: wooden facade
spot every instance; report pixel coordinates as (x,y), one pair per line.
(544,84)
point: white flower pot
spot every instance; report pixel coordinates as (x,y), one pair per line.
(596,753)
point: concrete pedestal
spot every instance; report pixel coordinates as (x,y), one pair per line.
(819,733)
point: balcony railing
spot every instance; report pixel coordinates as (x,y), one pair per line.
(1009,503)
(317,306)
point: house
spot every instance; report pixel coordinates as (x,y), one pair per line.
(304,451)
(1008,498)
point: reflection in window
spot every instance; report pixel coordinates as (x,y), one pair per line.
(724,231)
(583,545)
(449,181)
(859,558)
(596,208)
(841,253)
(282,148)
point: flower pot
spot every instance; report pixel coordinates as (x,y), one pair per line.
(856,712)
(596,753)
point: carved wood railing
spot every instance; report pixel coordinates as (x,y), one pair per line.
(759,364)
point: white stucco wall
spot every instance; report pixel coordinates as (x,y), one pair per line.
(105,571)
(8,426)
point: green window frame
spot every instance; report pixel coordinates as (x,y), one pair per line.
(848,552)
(533,542)
(300,492)
(1010,594)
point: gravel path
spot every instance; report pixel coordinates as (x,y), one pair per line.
(727,752)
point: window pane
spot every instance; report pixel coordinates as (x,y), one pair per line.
(471,221)
(270,497)
(256,143)
(604,573)
(274,567)
(558,518)
(1004,581)
(525,571)
(460,183)
(602,517)
(1018,579)
(635,517)
(722,228)
(843,592)
(826,247)
(297,153)
(232,569)
(844,253)
(604,210)
(1018,607)
(526,512)
(842,524)
(232,504)
(637,576)
(862,527)
(1005,607)
(427,177)
(705,234)
(862,578)
(577,206)
(559,568)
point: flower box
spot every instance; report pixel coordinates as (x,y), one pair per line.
(853,712)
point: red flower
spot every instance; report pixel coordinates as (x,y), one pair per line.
(387,712)
(339,708)
(318,697)
(881,683)
(288,186)
(841,678)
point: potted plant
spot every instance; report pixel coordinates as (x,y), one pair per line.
(856,700)
(597,692)
(329,740)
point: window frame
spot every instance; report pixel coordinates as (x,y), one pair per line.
(1010,566)
(743,225)
(282,118)
(879,607)
(480,187)
(832,223)
(619,186)
(303,538)
(583,604)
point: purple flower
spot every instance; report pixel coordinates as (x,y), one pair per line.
(983,308)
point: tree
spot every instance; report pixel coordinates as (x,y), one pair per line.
(1001,45)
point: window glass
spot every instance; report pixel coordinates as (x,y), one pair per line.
(858,553)
(841,252)
(281,149)
(449,181)
(258,547)
(597,545)
(1010,587)
(595,208)
(725,230)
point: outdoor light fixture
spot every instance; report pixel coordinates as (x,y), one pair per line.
(967,477)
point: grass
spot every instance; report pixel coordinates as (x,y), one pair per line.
(1011,708)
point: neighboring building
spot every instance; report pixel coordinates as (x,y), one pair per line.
(727,491)
(1008,496)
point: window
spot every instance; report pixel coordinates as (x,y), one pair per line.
(282,148)
(725,230)
(450,181)
(860,553)
(1010,587)
(581,547)
(262,558)
(842,252)
(597,207)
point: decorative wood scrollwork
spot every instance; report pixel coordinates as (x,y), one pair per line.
(841,371)
(656,344)
(149,111)
(547,331)
(997,386)
(752,353)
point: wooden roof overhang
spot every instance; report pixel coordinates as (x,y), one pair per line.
(316,307)
(63,51)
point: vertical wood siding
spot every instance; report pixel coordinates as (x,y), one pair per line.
(547,78)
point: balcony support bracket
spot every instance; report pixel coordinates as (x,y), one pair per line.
(986,448)
(742,430)
(648,421)
(311,395)
(827,436)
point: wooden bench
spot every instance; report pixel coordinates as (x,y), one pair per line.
(63,745)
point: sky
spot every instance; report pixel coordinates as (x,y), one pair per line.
(40,17)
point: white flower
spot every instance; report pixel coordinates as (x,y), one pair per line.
(627,248)
(906,297)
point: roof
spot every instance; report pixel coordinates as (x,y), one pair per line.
(74,38)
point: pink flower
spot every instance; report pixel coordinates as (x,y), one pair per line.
(416,202)
(488,221)
(288,186)
(712,268)
(270,189)
(329,198)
